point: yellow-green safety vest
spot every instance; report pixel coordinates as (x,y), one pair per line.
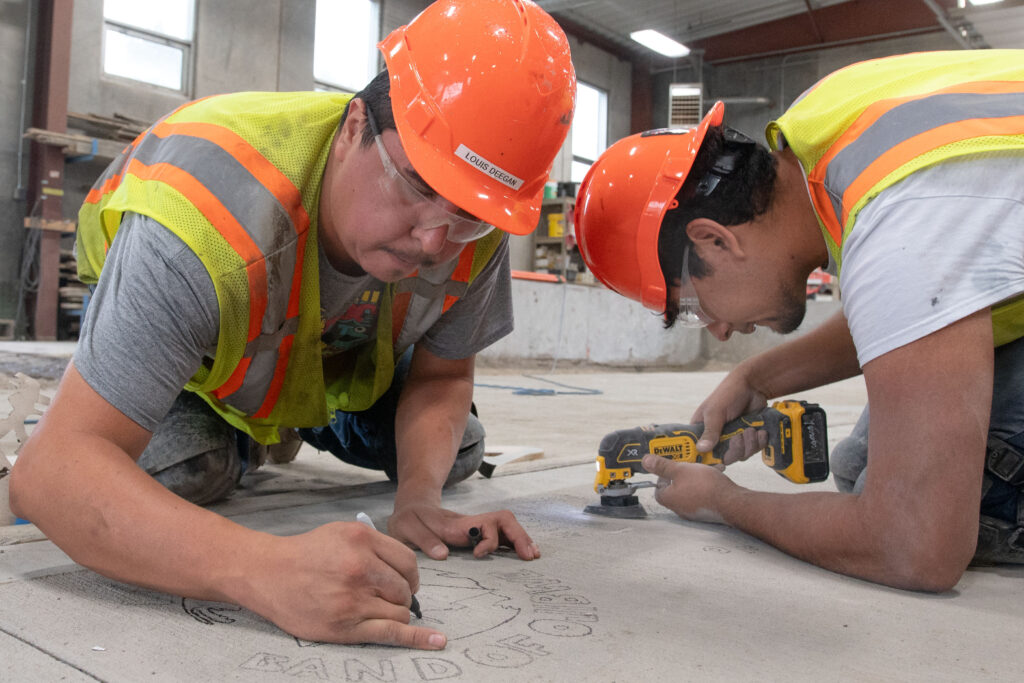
(237,178)
(869,125)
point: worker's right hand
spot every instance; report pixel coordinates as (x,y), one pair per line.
(342,583)
(732,398)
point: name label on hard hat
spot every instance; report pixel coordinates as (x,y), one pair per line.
(491,169)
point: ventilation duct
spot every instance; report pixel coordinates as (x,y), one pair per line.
(685,105)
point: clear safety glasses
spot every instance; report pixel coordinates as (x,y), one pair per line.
(433,214)
(690,312)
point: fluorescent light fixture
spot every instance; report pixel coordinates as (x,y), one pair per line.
(660,43)
(983,2)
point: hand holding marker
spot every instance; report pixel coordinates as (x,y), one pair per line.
(415,606)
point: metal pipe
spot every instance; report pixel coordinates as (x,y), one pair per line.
(814,24)
(762,101)
(940,14)
(19,191)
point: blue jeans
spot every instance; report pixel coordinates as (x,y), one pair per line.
(366,438)
(849,459)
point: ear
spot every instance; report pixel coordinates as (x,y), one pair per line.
(712,239)
(351,132)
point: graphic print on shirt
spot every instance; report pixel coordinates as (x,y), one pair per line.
(356,326)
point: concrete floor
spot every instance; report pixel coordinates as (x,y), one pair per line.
(610,600)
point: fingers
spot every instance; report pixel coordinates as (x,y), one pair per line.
(389,632)
(415,531)
(741,447)
(399,558)
(658,465)
(504,529)
(711,434)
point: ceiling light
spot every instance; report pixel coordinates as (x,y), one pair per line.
(983,2)
(660,43)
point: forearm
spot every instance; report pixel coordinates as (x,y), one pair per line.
(429,424)
(115,519)
(822,356)
(831,530)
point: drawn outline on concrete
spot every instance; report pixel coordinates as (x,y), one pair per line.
(452,603)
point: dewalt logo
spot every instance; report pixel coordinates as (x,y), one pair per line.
(674,447)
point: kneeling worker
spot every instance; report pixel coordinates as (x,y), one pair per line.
(904,176)
(277,255)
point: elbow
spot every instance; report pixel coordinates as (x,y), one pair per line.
(930,566)
(16,492)
(22,486)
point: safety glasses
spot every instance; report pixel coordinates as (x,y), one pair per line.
(432,213)
(690,313)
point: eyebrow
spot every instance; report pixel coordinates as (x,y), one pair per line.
(413,175)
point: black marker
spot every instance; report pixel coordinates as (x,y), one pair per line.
(415,606)
(474,535)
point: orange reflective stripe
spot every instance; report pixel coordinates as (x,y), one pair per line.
(234,381)
(399,307)
(96,193)
(461,274)
(449,301)
(823,207)
(816,178)
(211,207)
(270,400)
(923,143)
(268,175)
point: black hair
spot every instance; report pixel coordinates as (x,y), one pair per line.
(377,97)
(732,181)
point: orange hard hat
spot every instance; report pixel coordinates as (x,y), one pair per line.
(483,93)
(623,200)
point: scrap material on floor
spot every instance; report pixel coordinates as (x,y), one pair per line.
(610,599)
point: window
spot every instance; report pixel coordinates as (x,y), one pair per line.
(345,44)
(149,42)
(589,129)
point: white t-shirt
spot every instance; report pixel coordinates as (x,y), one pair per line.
(932,249)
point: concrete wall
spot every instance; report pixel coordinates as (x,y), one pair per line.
(592,325)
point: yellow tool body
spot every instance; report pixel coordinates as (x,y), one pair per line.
(797,449)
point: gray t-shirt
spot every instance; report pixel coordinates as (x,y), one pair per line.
(154,317)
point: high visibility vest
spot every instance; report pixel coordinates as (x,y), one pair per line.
(864,128)
(237,178)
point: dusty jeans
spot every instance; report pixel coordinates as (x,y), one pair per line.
(198,456)
(367,438)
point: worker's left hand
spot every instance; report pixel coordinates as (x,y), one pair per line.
(686,488)
(433,529)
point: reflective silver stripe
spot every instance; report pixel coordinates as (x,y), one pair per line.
(270,342)
(269,226)
(426,304)
(906,120)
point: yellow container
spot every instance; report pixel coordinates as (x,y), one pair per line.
(556,224)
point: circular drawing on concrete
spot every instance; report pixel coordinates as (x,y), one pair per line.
(458,605)
(505,619)
(461,606)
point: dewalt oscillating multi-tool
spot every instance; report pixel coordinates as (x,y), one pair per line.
(797,449)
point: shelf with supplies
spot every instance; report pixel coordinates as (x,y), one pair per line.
(554,241)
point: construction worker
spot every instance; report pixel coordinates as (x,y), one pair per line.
(903,176)
(277,255)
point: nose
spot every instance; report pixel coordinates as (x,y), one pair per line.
(432,238)
(720,331)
